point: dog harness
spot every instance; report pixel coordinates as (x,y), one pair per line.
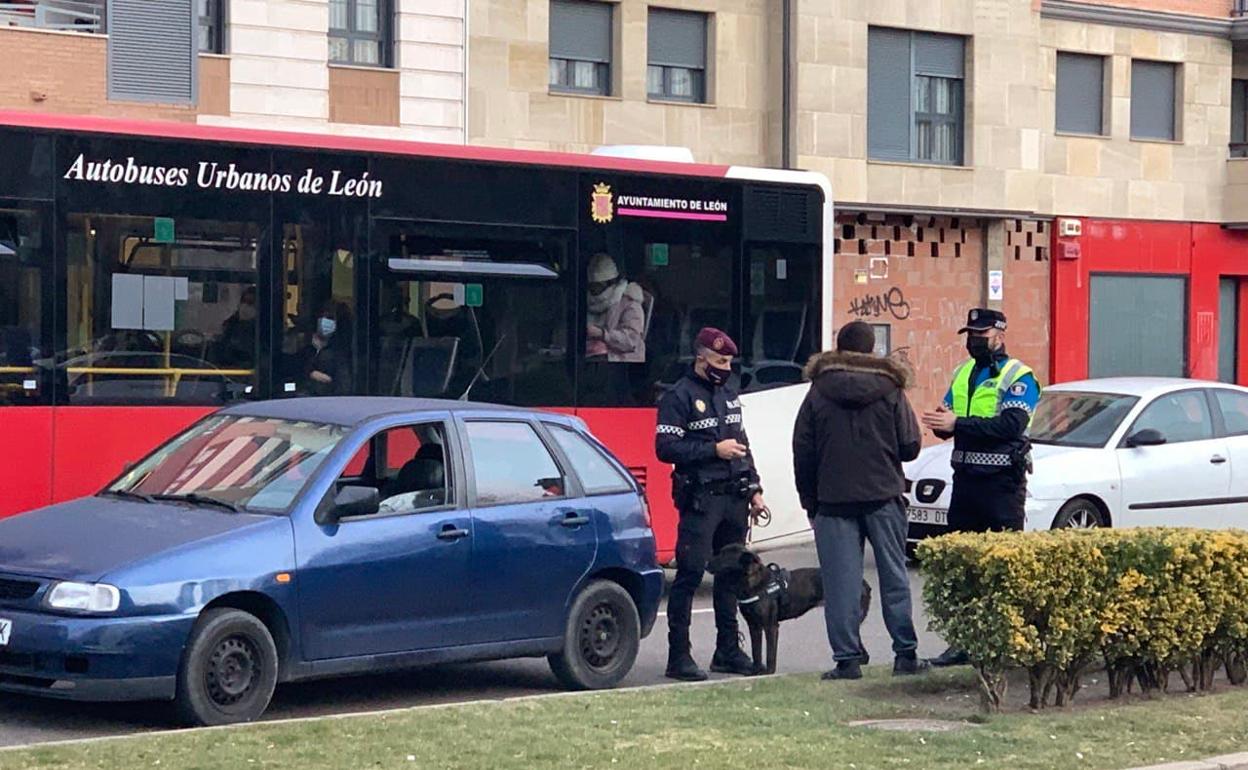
(777,586)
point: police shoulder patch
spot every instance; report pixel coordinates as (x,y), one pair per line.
(699,404)
(1018,389)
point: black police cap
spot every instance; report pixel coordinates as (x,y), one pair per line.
(982,319)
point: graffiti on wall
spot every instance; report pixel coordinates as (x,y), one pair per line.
(891,302)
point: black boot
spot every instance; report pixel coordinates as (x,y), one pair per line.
(732,661)
(950,657)
(845,669)
(680,666)
(908,664)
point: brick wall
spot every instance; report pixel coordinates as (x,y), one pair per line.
(918,275)
(66,72)
(921,275)
(1027,286)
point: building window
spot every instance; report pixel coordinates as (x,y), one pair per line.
(211,26)
(1080,93)
(359,32)
(915,105)
(580,46)
(677,56)
(1239,118)
(1153,89)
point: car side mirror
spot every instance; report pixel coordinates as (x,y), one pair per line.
(1146,437)
(350,501)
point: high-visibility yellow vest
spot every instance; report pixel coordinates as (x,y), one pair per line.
(986,400)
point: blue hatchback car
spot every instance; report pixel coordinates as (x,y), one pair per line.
(287,540)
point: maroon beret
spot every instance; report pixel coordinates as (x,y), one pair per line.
(713,339)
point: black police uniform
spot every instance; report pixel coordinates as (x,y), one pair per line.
(988,496)
(711,494)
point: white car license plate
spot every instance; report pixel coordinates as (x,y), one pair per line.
(6,626)
(935,516)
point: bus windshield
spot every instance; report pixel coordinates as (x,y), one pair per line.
(242,463)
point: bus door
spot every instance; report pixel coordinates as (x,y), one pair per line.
(26,382)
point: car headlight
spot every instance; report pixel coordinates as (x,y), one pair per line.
(84,597)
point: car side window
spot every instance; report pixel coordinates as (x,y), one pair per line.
(409,465)
(1234,406)
(511,464)
(1180,417)
(598,475)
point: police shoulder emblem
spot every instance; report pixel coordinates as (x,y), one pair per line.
(601,207)
(699,404)
(1018,388)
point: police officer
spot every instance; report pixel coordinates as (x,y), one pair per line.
(715,488)
(986,411)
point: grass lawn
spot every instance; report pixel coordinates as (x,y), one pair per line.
(794,721)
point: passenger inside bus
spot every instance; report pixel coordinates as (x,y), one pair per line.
(236,346)
(617,315)
(326,361)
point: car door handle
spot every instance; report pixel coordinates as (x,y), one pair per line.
(1217,459)
(452,532)
(574,520)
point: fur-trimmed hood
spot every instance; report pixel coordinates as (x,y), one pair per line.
(857,379)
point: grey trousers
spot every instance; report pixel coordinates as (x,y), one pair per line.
(839,540)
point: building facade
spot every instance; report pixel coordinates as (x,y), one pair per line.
(387,68)
(1082,164)
(1078,164)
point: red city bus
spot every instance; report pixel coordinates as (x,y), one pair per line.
(151,272)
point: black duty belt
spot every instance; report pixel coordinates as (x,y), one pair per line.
(987,459)
(720,487)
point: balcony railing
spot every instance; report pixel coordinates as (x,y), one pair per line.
(71,15)
(1240,8)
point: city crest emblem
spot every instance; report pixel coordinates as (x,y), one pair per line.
(700,405)
(602,208)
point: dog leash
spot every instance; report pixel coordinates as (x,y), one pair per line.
(761,517)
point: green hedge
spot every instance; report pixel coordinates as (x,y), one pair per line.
(1147,602)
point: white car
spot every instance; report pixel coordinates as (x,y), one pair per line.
(1122,452)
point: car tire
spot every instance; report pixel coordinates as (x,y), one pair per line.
(228,671)
(1080,513)
(601,640)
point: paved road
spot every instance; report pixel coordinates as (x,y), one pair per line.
(803,648)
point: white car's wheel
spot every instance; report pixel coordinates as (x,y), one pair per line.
(1080,513)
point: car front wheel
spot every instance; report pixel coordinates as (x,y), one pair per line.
(1080,513)
(228,671)
(601,640)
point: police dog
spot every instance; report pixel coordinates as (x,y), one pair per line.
(767,595)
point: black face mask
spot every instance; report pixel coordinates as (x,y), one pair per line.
(978,347)
(717,376)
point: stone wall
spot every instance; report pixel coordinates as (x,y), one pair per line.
(511,104)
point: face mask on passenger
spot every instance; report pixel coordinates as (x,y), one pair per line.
(326,327)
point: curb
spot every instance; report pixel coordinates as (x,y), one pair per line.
(1224,762)
(726,681)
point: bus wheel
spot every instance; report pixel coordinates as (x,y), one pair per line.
(229,669)
(601,641)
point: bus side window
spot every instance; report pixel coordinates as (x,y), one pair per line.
(159,321)
(25,271)
(319,354)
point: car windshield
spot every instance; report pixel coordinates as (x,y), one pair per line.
(1072,418)
(235,463)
